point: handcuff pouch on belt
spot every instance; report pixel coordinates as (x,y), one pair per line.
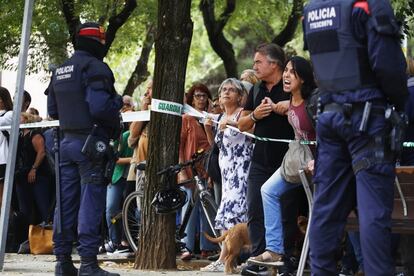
(399,123)
(101,153)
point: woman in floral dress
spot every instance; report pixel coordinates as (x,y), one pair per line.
(234,160)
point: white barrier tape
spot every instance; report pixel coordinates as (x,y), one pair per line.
(193,112)
(35,125)
(136,116)
(166,107)
(177,109)
(126,117)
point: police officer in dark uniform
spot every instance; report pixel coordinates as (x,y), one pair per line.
(360,69)
(82,96)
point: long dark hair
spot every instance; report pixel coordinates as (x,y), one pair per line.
(303,69)
(5,97)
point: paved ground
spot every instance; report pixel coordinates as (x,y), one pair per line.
(36,265)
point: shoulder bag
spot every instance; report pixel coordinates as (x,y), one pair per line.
(295,159)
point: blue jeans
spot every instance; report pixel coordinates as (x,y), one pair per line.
(114,197)
(271,191)
(197,220)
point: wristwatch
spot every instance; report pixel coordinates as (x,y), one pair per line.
(34,168)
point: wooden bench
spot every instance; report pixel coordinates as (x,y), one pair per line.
(403,213)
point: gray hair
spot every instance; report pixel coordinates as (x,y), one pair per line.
(236,84)
(273,52)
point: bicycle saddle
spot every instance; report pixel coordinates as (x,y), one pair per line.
(169,200)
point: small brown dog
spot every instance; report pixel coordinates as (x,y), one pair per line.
(235,239)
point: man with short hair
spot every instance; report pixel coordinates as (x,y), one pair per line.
(82,96)
(263,112)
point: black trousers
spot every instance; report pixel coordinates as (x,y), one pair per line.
(258,175)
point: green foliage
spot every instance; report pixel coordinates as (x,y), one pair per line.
(252,23)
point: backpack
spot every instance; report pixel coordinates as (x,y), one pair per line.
(212,165)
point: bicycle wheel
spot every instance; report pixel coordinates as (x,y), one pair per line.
(210,210)
(131,218)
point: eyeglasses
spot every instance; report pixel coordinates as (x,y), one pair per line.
(200,96)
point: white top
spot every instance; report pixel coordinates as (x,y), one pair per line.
(5,120)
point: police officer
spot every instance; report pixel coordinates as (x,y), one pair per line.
(359,66)
(82,96)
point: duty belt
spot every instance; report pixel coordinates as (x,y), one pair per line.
(79,133)
(348,108)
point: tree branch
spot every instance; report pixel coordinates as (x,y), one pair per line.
(289,30)
(218,41)
(72,20)
(140,72)
(225,16)
(116,22)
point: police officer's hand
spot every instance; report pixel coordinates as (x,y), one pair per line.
(264,109)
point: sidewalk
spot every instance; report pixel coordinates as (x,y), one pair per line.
(36,265)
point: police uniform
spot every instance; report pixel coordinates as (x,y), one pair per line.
(81,95)
(359,67)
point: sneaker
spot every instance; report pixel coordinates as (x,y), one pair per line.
(108,247)
(121,250)
(286,274)
(267,258)
(285,270)
(251,270)
(216,266)
(345,272)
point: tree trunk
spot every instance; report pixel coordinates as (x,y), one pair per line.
(141,73)
(156,248)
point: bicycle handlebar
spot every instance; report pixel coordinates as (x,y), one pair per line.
(174,169)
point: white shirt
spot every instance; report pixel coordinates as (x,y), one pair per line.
(5,120)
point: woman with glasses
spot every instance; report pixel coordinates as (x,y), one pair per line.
(193,138)
(235,150)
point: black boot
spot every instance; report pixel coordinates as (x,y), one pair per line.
(89,267)
(64,266)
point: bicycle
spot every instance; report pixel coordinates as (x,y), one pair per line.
(132,203)
(131,209)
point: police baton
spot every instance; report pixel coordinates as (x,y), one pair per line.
(58,217)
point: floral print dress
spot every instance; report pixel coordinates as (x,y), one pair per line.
(234,160)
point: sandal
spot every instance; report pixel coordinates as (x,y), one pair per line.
(186,256)
(267,258)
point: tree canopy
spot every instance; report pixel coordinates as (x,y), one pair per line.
(225,34)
